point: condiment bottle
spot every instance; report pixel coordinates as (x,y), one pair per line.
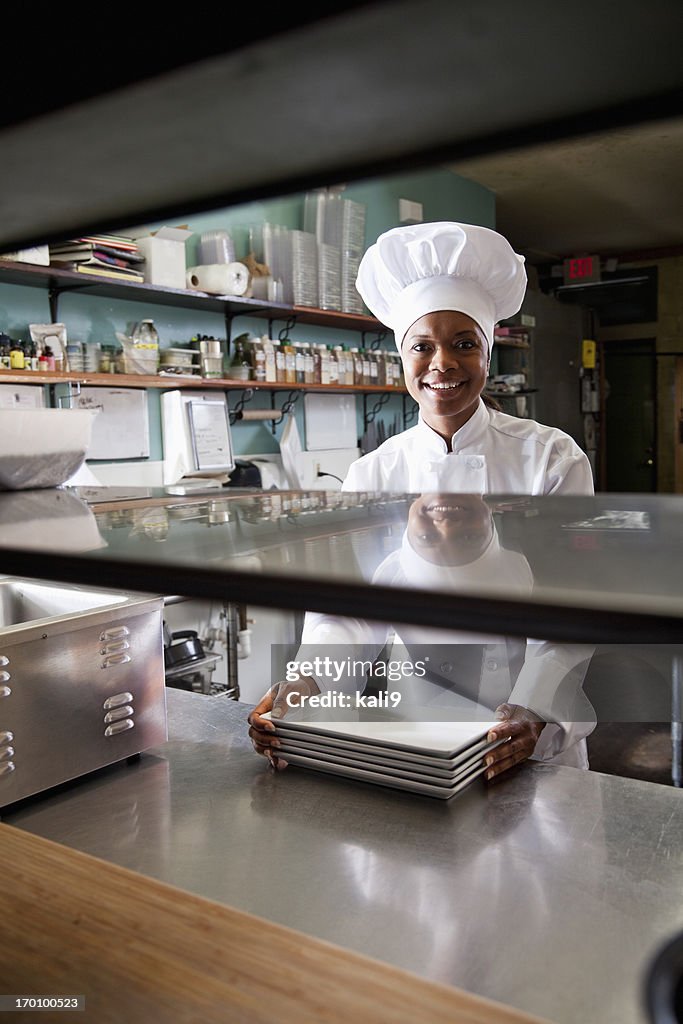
(348,379)
(399,370)
(380,355)
(357,367)
(340,355)
(50,357)
(388,369)
(258,360)
(317,364)
(374,369)
(280,373)
(365,364)
(16,356)
(334,366)
(290,362)
(309,364)
(324,365)
(269,349)
(4,352)
(299,362)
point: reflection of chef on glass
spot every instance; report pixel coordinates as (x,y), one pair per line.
(441,287)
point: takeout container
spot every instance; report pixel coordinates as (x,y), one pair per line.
(42,447)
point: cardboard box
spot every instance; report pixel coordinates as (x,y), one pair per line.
(164,251)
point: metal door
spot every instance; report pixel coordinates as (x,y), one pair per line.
(630,391)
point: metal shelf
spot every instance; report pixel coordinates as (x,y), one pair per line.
(144,380)
(58,281)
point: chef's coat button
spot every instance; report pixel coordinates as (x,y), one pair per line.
(474,462)
(446,667)
(491,664)
(429,466)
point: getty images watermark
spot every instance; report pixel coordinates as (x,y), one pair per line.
(349,671)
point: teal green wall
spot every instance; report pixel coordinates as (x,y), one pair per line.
(90,319)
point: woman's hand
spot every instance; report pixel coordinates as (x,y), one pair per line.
(281,697)
(522,728)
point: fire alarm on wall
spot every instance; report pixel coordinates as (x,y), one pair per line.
(409,212)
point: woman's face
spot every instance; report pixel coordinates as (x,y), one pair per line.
(445,362)
(449,529)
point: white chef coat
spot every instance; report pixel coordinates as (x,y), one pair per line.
(492,453)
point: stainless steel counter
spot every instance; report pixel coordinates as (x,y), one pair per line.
(548,892)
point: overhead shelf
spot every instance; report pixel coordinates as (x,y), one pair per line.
(378,89)
(55,279)
(145,380)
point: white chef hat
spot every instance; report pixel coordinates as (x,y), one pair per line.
(423,268)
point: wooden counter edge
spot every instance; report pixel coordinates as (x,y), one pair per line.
(142,950)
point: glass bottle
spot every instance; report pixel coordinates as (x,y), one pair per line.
(145,334)
(280,372)
(240,367)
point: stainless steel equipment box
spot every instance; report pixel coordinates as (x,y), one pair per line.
(81,682)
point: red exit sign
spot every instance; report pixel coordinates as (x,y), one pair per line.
(578,269)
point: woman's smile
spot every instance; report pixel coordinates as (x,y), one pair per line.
(449,385)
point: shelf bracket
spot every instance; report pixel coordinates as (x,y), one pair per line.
(283,333)
(229,317)
(379,337)
(53,293)
(243,400)
(53,299)
(368,417)
(409,414)
(287,406)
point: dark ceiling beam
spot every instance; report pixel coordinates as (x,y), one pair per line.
(372,90)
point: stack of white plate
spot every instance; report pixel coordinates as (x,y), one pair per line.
(434,758)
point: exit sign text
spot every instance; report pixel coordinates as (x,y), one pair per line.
(578,269)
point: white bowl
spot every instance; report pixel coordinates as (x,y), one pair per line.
(42,447)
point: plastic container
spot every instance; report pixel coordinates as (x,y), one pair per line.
(215,247)
(145,333)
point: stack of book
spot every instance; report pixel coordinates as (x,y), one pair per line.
(100,256)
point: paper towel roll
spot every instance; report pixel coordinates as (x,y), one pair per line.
(219,278)
(259,414)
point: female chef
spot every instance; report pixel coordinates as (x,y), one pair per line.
(442,287)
